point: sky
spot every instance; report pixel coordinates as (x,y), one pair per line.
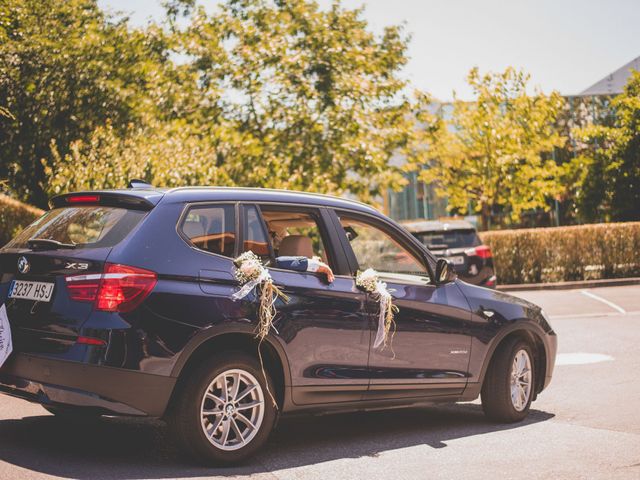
(566,45)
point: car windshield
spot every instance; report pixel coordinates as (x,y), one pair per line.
(449,239)
(84,227)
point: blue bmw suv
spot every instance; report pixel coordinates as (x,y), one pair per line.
(120,303)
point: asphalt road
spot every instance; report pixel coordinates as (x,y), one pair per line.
(586,425)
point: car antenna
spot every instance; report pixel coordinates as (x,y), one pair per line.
(137,183)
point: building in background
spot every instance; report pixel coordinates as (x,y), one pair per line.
(419,201)
(416,201)
(614,83)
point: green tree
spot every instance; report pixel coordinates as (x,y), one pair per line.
(273,94)
(5,113)
(315,93)
(578,113)
(610,161)
(66,68)
(164,154)
(495,154)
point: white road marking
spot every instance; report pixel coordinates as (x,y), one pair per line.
(597,314)
(603,300)
(581,358)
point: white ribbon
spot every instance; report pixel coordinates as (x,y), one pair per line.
(6,345)
(385,299)
(250,285)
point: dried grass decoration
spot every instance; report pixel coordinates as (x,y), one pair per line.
(252,274)
(368,281)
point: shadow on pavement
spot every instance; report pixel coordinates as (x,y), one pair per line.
(115,449)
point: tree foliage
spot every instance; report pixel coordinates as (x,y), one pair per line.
(495,154)
(66,68)
(610,161)
(166,154)
(284,94)
(258,93)
(314,91)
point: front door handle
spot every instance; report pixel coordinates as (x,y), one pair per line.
(487,313)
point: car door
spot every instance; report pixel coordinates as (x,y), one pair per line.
(325,327)
(428,353)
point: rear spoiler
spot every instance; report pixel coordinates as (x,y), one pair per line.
(138,200)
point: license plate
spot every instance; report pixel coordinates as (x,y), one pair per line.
(27,290)
(459,260)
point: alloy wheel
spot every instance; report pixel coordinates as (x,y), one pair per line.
(232,409)
(520,380)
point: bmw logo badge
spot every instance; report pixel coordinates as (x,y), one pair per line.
(23,265)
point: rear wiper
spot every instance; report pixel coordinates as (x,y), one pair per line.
(48,243)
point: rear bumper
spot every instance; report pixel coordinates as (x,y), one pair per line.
(105,389)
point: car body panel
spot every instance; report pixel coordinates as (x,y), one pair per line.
(50,327)
(430,342)
(494,315)
(322,336)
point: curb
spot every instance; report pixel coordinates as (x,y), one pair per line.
(611,282)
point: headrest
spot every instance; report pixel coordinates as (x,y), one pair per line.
(296,246)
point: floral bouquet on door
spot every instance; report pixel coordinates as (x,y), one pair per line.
(252,274)
(369,281)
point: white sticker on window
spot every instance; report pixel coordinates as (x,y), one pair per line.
(6,346)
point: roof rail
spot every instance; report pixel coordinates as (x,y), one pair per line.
(137,183)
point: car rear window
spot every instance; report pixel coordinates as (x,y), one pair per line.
(83,226)
(449,239)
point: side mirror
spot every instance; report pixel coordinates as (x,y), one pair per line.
(444,272)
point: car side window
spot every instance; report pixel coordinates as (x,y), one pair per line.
(376,248)
(211,228)
(295,233)
(255,237)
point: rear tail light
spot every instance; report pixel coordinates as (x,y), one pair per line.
(123,288)
(83,199)
(481,251)
(83,288)
(120,288)
(91,341)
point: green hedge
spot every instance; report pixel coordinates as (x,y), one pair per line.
(14,216)
(583,252)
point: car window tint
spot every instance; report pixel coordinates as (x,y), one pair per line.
(449,239)
(255,238)
(295,233)
(377,249)
(86,227)
(211,228)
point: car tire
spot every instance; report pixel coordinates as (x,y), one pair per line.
(225,435)
(509,384)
